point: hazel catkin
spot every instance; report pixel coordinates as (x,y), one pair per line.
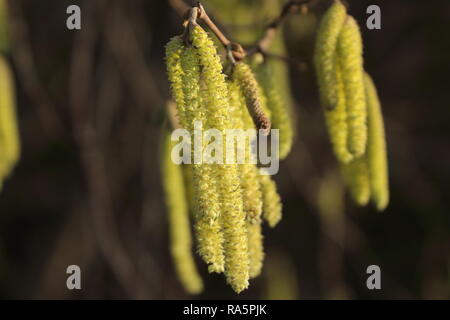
(184,76)
(9,133)
(271,200)
(350,59)
(376,148)
(356,176)
(325,56)
(232,217)
(280,110)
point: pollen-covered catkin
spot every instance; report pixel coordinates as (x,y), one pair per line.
(271,200)
(325,55)
(376,148)
(9,133)
(184,75)
(351,62)
(178,218)
(356,176)
(336,121)
(255,248)
(207,219)
(281,116)
(233,222)
(253,96)
(252,194)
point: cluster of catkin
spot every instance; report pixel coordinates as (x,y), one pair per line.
(351,106)
(9,137)
(228,201)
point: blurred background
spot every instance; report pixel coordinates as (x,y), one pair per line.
(87,190)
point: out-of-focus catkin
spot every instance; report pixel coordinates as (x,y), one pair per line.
(325,57)
(216,102)
(356,176)
(178,218)
(376,149)
(278,105)
(350,59)
(9,133)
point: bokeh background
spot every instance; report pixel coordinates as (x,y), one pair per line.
(87,189)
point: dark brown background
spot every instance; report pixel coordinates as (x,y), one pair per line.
(87,189)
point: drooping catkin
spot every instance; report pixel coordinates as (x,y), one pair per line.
(376,148)
(207,219)
(249,172)
(216,102)
(9,133)
(325,55)
(184,75)
(253,94)
(178,219)
(271,200)
(251,189)
(280,112)
(336,121)
(255,248)
(356,176)
(351,62)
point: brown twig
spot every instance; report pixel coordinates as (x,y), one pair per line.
(235,52)
(271,30)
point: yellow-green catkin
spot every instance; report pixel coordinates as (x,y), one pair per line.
(178,218)
(188,178)
(9,133)
(233,219)
(207,222)
(325,55)
(336,121)
(351,61)
(281,116)
(184,75)
(376,148)
(271,200)
(251,189)
(254,97)
(356,176)
(4,42)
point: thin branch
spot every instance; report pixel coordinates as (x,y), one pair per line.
(271,30)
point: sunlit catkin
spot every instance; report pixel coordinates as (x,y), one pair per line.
(376,148)
(336,121)
(271,200)
(178,218)
(325,53)
(351,62)
(280,112)
(9,135)
(184,75)
(207,219)
(252,194)
(216,102)
(356,176)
